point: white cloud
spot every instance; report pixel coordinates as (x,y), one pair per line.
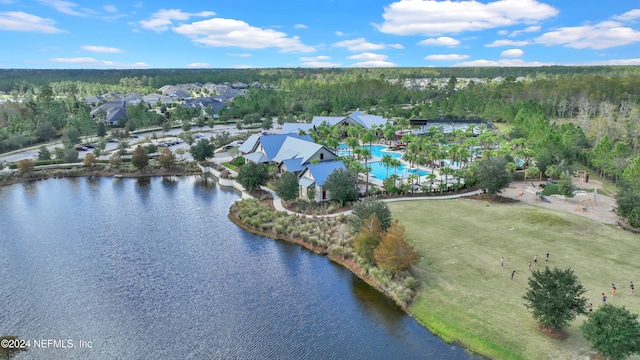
(299,26)
(604,35)
(512,53)
(635,61)
(220,32)
(447,57)
(198,65)
(441,41)
(630,15)
(502,63)
(503,32)
(360,44)
(371,64)
(240,55)
(242,67)
(101,49)
(525,30)
(368,57)
(88,61)
(315,58)
(411,17)
(62,6)
(110,8)
(339,33)
(162,19)
(21,21)
(508,43)
(318,61)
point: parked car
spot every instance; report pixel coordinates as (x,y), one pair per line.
(82,148)
(113,140)
(90,146)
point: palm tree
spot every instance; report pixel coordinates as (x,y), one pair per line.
(369,137)
(352,143)
(386,161)
(446,171)
(432,178)
(395,164)
(366,153)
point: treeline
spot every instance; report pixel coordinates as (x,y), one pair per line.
(22,79)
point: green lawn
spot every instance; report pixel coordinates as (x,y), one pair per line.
(465,296)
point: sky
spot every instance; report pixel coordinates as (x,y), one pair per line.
(117,34)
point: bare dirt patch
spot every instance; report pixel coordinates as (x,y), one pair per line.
(554,334)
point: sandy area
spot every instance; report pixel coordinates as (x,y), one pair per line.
(600,210)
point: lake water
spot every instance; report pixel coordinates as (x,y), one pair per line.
(152,269)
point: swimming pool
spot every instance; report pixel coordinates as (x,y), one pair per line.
(379,171)
(376,151)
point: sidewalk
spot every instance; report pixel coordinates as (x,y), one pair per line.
(277,202)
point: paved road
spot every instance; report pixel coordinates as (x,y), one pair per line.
(206,132)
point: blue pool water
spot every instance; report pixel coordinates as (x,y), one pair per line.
(378,170)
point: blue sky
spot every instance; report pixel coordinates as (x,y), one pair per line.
(60,34)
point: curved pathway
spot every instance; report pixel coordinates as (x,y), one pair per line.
(277,202)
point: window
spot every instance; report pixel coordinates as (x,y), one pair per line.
(321,156)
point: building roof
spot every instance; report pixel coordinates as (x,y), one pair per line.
(294,128)
(306,182)
(322,170)
(330,120)
(367,121)
(357,117)
(272,144)
(293,165)
(249,144)
(257,157)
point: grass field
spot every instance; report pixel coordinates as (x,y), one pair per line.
(465,296)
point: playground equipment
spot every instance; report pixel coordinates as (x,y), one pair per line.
(583,205)
(582,175)
(541,197)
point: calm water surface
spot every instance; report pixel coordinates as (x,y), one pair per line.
(152,269)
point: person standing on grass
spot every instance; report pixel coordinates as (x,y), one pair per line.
(547,256)
(613,290)
(502,262)
(529,266)
(513,273)
(535,260)
(604,298)
(590,308)
(632,289)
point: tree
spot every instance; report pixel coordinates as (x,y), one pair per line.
(101,129)
(69,155)
(566,186)
(555,297)
(44,153)
(167,159)
(367,239)
(186,125)
(202,150)
(115,160)
(253,175)
(287,186)
(140,159)
(394,253)
(10,352)
(492,175)
(342,186)
(613,332)
(89,160)
(70,136)
(25,165)
(362,210)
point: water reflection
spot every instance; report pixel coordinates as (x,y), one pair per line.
(141,269)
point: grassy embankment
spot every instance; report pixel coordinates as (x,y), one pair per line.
(465,297)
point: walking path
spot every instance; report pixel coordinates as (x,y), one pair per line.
(277,202)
